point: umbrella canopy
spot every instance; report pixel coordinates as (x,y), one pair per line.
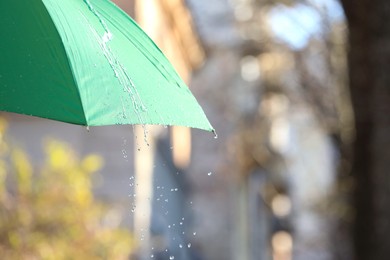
(88,63)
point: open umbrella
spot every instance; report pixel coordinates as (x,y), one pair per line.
(87,63)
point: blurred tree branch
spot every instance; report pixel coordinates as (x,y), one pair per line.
(50,213)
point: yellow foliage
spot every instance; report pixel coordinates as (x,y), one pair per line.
(23,170)
(92,163)
(51,213)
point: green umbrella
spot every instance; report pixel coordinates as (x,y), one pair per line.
(88,63)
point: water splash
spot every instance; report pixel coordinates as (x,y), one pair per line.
(118,68)
(124,153)
(146,132)
(132,181)
(97,14)
(107,37)
(136,143)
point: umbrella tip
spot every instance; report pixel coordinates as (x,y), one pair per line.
(215,133)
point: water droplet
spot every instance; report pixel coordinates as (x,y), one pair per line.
(180,245)
(181,223)
(194,233)
(146,132)
(209,173)
(107,37)
(124,152)
(171,257)
(87,128)
(151,256)
(189,245)
(215,134)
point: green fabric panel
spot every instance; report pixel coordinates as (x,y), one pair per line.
(35,76)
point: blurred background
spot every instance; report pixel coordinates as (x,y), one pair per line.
(272,77)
